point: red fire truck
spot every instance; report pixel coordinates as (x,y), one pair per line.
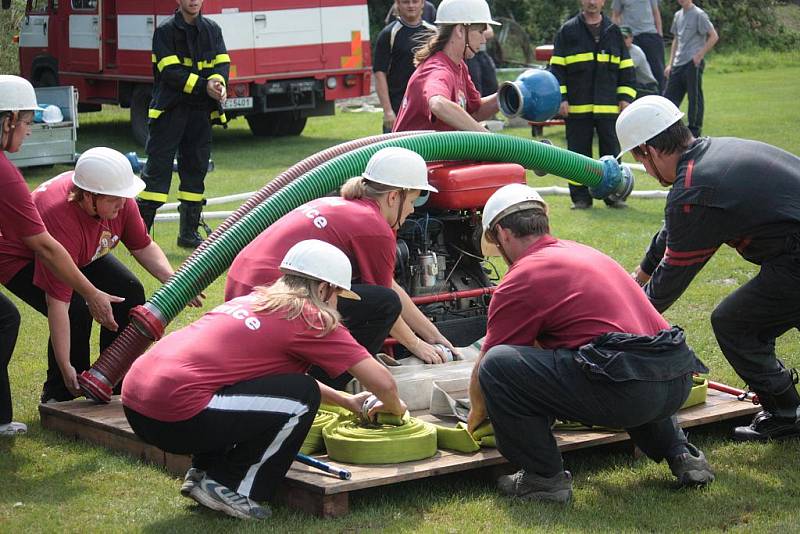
(290,59)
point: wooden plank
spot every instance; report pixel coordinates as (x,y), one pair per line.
(324,494)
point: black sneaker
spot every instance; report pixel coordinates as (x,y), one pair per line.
(766,426)
(193,476)
(691,468)
(557,488)
(214,495)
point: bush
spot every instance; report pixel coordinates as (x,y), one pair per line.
(9,25)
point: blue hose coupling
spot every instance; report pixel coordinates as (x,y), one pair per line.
(616,183)
(535,96)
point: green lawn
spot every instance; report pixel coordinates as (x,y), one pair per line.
(53,484)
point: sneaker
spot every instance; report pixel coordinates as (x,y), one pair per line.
(691,468)
(557,488)
(214,495)
(9,430)
(193,476)
(581,205)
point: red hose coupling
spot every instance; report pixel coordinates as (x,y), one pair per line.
(95,386)
(147,322)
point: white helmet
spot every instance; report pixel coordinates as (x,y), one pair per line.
(52,114)
(645,119)
(505,201)
(319,260)
(398,167)
(17,94)
(464,12)
(105,171)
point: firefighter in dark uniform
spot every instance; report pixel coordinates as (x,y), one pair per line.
(727,191)
(190,70)
(596,75)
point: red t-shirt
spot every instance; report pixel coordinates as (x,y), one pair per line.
(564,294)
(437,75)
(85,237)
(176,379)
(18,215)
(356,227)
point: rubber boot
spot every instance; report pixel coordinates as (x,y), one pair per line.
(190,212)
(779,419)
(147,209)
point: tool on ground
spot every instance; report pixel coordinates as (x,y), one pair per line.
(344,474)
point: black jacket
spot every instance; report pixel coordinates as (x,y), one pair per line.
(184,58)
(742,193)
(594,77)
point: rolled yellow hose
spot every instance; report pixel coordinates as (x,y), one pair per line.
(350,442)
(314,442)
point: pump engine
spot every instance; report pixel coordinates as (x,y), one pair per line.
(438,247)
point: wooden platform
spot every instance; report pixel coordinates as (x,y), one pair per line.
(322,494)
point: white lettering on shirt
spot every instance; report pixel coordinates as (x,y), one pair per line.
(237,311)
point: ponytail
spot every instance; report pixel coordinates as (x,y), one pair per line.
(435,43)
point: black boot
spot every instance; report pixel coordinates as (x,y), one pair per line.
(188,237)
(147,209)
(779,419)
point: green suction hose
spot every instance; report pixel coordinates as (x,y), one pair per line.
(196,274)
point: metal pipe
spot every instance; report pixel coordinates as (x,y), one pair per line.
(344,474)
(738,393)
(455,295)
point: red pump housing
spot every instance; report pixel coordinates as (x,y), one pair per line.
(465,186)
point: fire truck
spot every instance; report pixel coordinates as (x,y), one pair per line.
(290,59)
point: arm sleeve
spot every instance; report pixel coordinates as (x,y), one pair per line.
(704,25)
(382,55)
(170,67)
(616,5)
(134,234)
(374,256)
(692,238)
(335,353)
(558,65)
(18,215)
(222,61)
(44,278)
(655,251)
(626,79)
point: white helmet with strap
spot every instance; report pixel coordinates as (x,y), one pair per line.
(508,199)
(644,119)
(319,260)
(464,12)
(399,167)
(17,94)
(105,171)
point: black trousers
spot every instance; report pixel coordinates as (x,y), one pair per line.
(187,131)
(687,80)
(747,322)
(368,320)
(526,389)
(652,45)
(107,274)
(247,436)
(580,136)
(9,328)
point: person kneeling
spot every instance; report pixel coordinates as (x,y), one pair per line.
(231,389)
(571,336)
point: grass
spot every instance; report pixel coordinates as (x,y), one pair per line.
(53,484)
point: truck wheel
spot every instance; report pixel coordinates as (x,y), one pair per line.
(140,102)
(46,78)
(262,124)
(289,124)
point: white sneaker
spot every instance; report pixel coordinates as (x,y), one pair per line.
(214,495)
(12,429)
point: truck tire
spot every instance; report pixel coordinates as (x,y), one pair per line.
(287,123)
(45,78)
(140,103)
(262,124)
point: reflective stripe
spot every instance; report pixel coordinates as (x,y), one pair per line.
(219,77)
(222,58)
(167,61)
(626,64)
(154,113)
(190,81)
(607,58)
(216,115)
(563,89)
(625,90)
(156,197)
(593,108)
(577,58)
(557,60)
(187,62)
(153,58)
(191,197)
(205,64)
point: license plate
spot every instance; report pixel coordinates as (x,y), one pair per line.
(239,103)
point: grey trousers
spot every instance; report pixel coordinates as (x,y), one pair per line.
(526,389)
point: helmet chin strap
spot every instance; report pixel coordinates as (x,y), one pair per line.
(467,46)
(655,169)
(403,194)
